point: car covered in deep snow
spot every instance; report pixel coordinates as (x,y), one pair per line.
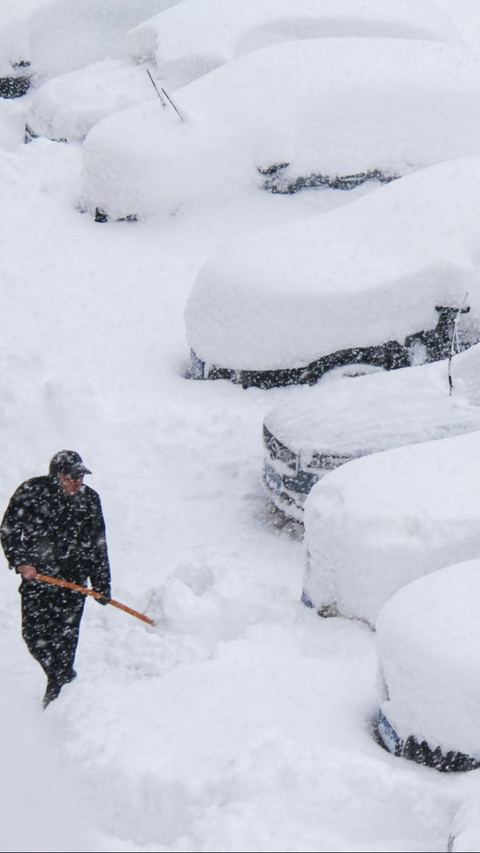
(64,35)
(332,112)
(380,522)
(66,107)
(375,282)
(15,59)
(428,635)
(194,37)
(308,436)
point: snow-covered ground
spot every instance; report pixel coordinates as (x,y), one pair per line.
(241,721)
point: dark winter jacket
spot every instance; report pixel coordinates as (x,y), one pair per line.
(61,535)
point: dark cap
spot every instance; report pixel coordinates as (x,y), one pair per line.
(68,462)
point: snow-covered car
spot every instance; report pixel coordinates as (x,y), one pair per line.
(321,112)
(90,30)
(465,831)
(428,635)
(15,59)
(194,37)
(66,107)
(382,521)
(15,80)
(362,284)
(336,422)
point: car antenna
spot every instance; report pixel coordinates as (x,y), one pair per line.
(167,96)
(454,343)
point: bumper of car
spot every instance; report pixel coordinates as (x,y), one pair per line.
(420,751)
(287,492)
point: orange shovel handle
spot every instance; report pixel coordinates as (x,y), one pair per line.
(83,589)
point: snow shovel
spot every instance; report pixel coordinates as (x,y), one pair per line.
(83,589)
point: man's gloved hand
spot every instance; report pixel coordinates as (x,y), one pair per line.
(28,573)
(106,600)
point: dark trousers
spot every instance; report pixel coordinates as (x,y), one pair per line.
(51,619)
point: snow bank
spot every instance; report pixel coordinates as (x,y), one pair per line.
(67,107)
(192,38)
(329,106)
(378,523)
(428,637)
(367,273)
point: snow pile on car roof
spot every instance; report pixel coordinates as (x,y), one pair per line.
(358,276)
(194,37)
(376,412)
(380,522)
(330,106)
(428,636)
(67,107)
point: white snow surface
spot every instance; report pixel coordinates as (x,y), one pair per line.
(63,35)
(66,107)
(241,721)
(428,634)
(329,106)
(368,273)
(194,37)
(465,830)
(382,521)
(379,411)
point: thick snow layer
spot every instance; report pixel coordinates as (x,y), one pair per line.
(370,272)
(64,35)
(195,36)
(428,636)
(465,830)
(329,106)
(14,42)
(39,805)
(67,107)
(377,412)
(378,523)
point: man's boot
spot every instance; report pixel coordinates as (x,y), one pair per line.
(52,691)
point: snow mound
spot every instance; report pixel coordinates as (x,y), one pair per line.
(427,640)
(66,107)
(465,831)
(370,272)
(380,522)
